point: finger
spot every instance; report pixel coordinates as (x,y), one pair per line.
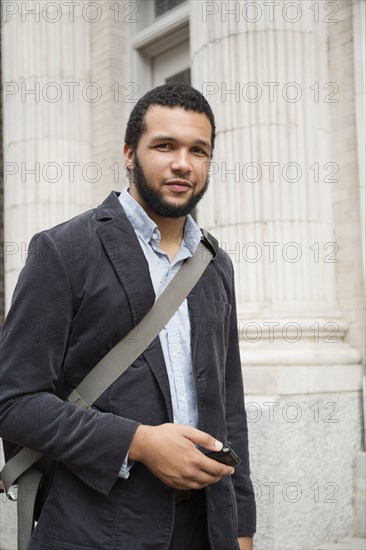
(203,439)
(199,481)
(213,467)
(202,479)
(208,479)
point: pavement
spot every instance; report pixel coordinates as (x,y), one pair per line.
(345,544)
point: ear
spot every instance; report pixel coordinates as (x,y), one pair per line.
(129,156)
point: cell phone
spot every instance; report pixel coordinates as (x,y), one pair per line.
(225,456)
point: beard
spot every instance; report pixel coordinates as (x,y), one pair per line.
(154,199)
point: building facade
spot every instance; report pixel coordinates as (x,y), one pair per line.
(286,81)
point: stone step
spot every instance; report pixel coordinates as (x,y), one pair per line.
(345,544)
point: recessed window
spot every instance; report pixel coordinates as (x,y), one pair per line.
(162,6)
(183,77)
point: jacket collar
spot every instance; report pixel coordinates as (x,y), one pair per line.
(110,208)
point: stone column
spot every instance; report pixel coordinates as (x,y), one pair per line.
(359,32)
(263,66)
(47,94)
(110,114)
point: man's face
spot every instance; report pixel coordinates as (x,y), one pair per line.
(169,171)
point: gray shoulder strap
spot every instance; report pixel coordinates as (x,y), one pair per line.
(98,380)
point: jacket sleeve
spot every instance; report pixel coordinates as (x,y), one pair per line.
(33,344)
(237,427)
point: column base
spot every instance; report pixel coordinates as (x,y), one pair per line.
(303,355)
(285,380)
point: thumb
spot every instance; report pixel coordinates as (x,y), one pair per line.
(203,439)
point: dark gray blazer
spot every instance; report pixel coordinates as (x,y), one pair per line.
(84,286)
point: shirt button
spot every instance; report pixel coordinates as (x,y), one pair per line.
(155,237)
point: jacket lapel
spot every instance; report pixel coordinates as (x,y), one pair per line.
(124,251)
(153,355)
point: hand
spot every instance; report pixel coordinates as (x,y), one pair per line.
(245,543)
(170,453)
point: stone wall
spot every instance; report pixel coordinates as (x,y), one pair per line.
(346,191)
(302,454)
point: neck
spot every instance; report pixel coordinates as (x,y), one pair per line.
(171,229)
(171,233)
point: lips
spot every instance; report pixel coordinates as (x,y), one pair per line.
(180,186)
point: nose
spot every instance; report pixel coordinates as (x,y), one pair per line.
(181,162)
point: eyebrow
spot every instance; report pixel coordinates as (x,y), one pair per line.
(162,137)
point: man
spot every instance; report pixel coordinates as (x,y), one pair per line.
(130,472)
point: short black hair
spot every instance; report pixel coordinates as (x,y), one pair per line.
(174,94)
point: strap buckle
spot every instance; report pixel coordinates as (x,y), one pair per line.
(76,399)
(13,492)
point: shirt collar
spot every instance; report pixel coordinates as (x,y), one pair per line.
(147,228)
(137,216)
(192,234)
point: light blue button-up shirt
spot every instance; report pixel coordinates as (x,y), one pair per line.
(175,338)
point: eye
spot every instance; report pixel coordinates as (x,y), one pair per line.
(199,151)
(164,146)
